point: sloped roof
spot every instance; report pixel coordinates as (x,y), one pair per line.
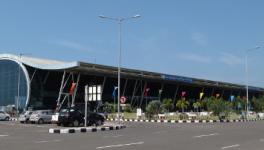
(47,64)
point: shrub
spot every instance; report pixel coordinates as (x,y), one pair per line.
(128,108)
(110,108)
(219,107)
(197,105)
(153,108)
(182,104)
(258,104)
(183,117)
(167,105)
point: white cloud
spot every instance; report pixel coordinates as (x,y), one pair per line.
(230,59)
(199,38)
(73,45)
(194,57)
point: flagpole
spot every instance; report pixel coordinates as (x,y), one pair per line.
(114,104)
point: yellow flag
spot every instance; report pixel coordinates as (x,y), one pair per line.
(201,95)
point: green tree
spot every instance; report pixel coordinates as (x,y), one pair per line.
(167,104)
(239,104)
(182,104)
(197,105)
(219,107)
(258,104)
(153,108)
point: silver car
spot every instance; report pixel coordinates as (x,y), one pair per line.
(24,117)
(4,116)
(41,116)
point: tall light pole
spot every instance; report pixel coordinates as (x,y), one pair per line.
(119,21)
(246,71)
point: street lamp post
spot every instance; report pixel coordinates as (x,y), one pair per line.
(246,71)
(119,20)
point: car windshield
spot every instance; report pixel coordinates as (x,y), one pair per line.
(64,111)
(36,112)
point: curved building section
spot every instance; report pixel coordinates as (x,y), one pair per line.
(14,87)
(30,82)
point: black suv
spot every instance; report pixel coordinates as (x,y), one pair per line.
(75,117)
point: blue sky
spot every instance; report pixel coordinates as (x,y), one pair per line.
(203,39)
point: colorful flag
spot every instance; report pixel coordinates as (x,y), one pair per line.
(146,91)
(183,93)
(72,88)
(160,91)
(114,91)
(201,95)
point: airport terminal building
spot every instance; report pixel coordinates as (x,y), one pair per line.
(45,84)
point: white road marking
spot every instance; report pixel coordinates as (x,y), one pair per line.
(41,141)
(119,145)
(57,140)
(159,132)
(114,136)
(205,135)
(231,146)
(3,135)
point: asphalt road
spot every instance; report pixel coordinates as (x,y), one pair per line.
(138,136)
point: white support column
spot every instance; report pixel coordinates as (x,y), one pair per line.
(124,90)
(142,94)
(105,78)
(61,88)
(134,92)
(175,94)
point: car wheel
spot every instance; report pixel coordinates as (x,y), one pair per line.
(22,122)
(76,123)
(27,121)
(7,119)
(40,121)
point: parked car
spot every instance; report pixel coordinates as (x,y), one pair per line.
(4,116)
(24,117)
(75,117)
(55,118)
(260,115)
(41,116)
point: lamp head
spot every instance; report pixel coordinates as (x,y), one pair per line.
(136,16)
(102,16)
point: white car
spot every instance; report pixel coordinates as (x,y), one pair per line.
(24,118)
(4,116)
(41,116)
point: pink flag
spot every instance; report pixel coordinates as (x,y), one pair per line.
(183,94)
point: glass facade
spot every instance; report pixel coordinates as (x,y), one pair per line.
(9,81)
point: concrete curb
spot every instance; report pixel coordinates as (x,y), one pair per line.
(186,121)
(13,119)
(86,129)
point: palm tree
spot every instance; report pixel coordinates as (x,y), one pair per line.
(167,104)
(197,105)
(182,104)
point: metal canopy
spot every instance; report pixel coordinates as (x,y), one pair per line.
(96,69)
